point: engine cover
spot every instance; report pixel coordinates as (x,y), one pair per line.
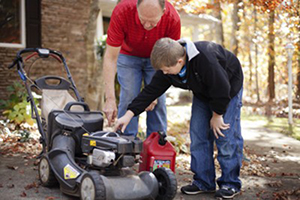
(103,158)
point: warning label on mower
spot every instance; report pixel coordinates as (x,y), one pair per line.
(161,163)
(70,172)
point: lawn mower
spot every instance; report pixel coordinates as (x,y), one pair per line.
(77,154)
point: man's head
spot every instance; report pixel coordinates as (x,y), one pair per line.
(150,12)
(168,55)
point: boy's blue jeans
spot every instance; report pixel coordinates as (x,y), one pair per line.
(131,72)
(230,147)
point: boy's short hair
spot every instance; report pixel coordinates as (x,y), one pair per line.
(166,52)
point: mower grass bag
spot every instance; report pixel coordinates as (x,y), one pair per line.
(84,160)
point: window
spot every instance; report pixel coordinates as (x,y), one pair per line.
(33,23)
(12,23)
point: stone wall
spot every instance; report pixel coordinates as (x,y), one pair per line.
(64,24)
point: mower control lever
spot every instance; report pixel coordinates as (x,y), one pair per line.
(43,53)
(43,56)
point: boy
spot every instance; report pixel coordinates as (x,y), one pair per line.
(215,77)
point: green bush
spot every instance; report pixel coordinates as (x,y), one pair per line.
(100,47)
(16,108)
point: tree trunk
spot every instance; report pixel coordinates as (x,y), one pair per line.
(219,27)
(94,95)
(235,27)
(298,50)
(256,56)
(271,64)
(298,71)
(271,53)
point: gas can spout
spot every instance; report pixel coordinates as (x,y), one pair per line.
(162,138)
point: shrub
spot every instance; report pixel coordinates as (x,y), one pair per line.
(17,109)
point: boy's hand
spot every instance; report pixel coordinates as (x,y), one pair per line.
(110,110)
(124,121)
(217,124)
(151,106)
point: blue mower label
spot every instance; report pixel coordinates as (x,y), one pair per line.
(161,163)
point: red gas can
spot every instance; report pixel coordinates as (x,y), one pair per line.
(157,152)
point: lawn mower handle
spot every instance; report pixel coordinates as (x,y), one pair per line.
(42,53)
(73,103)
(13,63)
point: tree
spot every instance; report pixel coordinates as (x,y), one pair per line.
(271,53)
(217,12)
(256,56)
(94,95)
(269,6)
(297,6)
(237,4)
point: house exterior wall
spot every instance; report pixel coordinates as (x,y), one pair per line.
(64,26)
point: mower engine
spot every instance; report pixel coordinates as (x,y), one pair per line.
(101,158)
(107,149)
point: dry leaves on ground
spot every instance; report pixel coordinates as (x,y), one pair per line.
(24,140)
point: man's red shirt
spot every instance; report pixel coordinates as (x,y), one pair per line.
(126,30)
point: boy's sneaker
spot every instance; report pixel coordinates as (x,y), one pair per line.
(193,189)
(226,193)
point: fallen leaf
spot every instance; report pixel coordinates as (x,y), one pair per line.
(36,162)
(23,194)
(283,174)
(12,167)
(275,184)
(32,185)
(50,198)
(187,179)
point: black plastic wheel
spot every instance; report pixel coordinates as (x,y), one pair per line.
(46,175)
(167,183)
(92,187)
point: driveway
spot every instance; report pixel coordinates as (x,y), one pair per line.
(271,170)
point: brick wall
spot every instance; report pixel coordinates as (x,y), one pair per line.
(6,76)
(64,25)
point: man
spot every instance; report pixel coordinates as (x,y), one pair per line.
(215,77)
(134,28)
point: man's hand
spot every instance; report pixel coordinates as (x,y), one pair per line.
(217,124)
(151,106)
(124,121)
(110,110)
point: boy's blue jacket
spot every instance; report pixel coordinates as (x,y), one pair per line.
(214,75)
